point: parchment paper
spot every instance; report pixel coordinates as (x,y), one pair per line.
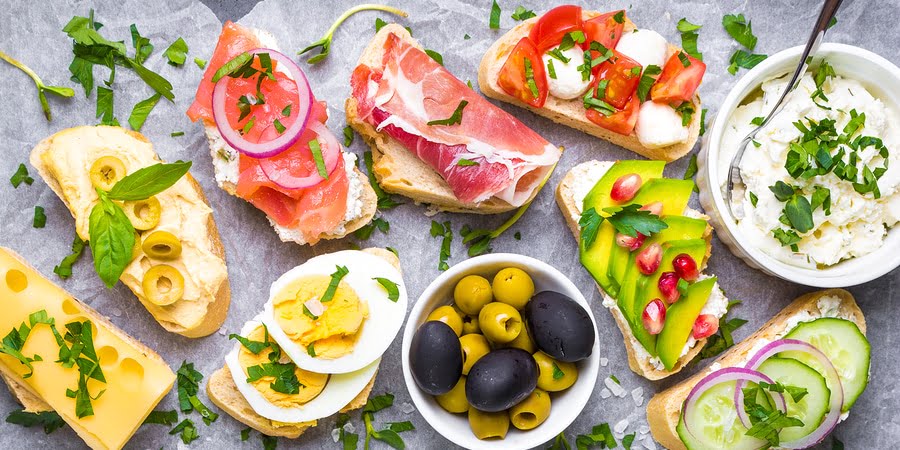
(31,32)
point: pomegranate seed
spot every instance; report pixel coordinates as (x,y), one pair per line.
(655,208)
(668,285)
(654,316)
(625,187)
(648,259)
(630,243)
(705,326)
(686,267)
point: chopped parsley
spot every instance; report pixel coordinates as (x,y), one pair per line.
(703,121)
(64,269)
(188,382)
(557,372)
(529,79)
(443,231)
(365,232)
(279,127)
(551,71)
(159,417)
(348,136)
(689,37)
(201,63)
(311,349)
(455,118)
(177,52)
(600,435)
(339,273)
(685,61)
(686,110)
(21,176)
(463,162)
(40,218)
(647,80)
(435,56)
(316,151)
(590,62)
(521,14)
(141,111)
(753,198)
(494,20)
(392,288)
(187,430)
(389,435)
(745,60)
(50,421)
(740,29)
(722,340)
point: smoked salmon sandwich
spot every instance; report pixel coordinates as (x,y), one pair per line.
(434,139)
(269,143)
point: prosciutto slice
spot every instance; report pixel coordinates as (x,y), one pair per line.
(410,89)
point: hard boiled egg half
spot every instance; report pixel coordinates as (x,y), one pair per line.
(278,390)
(337,313)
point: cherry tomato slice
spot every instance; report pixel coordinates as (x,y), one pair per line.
(514,79)
(678,83)
(621,122)
(622,75)
(604,29)
(553,25)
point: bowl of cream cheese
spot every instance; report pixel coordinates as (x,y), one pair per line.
(821,201)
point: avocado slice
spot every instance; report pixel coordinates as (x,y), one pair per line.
(679,228)
(680,318)
(596,258)
(647,287)
(674,194)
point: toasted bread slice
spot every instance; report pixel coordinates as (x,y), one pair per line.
(664,409)
(571,112)
(224,393)
(638,359)
(214,307)
(398,170)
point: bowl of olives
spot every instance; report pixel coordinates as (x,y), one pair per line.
(501,352)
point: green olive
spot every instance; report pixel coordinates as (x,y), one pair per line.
(513,286)
(474,346)
(532,411)
(162,245)
(455,400)
(523,341)
(143,214)
(163,285)
(470,325)
(553,375)
(499,322)
(472,293)
(486,425)
(449,316)
(106,172)
(136,248)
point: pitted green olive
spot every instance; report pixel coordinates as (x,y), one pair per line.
(143,214)
(523,341)
(162,245)
(532,411)
(106,171)
(513,286)
(487,425)
(163,285)
(455,400)
(553,375)
(474,346)
(472,293)
(470,325)
(499,322)
(449,316)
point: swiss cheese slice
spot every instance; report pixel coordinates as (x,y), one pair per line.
(136,377)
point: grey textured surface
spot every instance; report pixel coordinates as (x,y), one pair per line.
(256,257)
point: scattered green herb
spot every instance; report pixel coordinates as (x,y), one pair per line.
(722,340)
(557,372)
(348,136)
(691,170)
(454,119)
(745,60)
(339,273)
(40,218)
(740,29)
(392,289)
(50,421)
(463,162)
(324,44)
(365,232)
(494,20)
(600,435)
(41,87)
(385,200)
(435,56)
(319,159)
(177,52)
(444,231)
(521,14)
(158,417)
(64,269)
(21,176)
(201,63)
(141,111)
(647,80)
(689,37)
(188,431)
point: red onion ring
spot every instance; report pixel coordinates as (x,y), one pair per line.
(724,376)
(290,135)
(836,402)
(331,151)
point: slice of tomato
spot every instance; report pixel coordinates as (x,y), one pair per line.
(621,121)
(513,77)
(622,75)
(677,83)
(549,30)
(604,29)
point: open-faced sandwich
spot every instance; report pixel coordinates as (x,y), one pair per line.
(434,139)
(269,143)
(63,356)
(786,386)
(599,73)
(315,348)
(148,223)
(646,250)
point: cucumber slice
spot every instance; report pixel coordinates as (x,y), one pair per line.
(811,409)
(715,423)
(846,347)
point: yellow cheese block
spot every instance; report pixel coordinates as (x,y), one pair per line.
(136,377)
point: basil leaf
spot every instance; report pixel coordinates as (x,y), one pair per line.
(112,240)
(400,427)
(348,136)
(148,181)
(390,437)
(188,431)
(252,346)
(390,287)
(141,111)
(177,52)
(234,65)
(142,45)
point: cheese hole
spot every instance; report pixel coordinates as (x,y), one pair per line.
(69,307)
(16,280)
(109,356)
(131,373)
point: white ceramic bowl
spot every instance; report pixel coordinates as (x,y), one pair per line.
(566,405)
(882,79)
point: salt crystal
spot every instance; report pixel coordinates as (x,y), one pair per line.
(604,361)
(644,429)
(336,434)
(648,443)
(614,387)
(348,427)
(621,426)
(638,396)
(223,331)
(407,408)
(116,312)
(605,393)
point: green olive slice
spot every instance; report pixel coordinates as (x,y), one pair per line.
(163,285)
(106,172)
(143,214)
(162,245)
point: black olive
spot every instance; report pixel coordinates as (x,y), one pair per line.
(501,379)
(560,327)
(435,357)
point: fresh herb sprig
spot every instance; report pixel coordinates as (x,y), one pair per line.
(42,88)
(741,30)
(50,421)
(628,220)
(188,381)
(324,44)
(445,232)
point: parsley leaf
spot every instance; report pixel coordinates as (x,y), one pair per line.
(494,20)
(392,289)
(745,60)
(177,52)
(630,220)
(454,119)
(600,435)
(740,29)
(188,431)
(41,87)
(521,14)
(141,111)
(64,269)
(50,421)
(339,273)
(21,176)
(689,37)
(590,224)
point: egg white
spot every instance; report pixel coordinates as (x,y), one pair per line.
(378,330)
(340,390)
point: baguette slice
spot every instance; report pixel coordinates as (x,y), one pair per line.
(217,307)
(571,112)
(637,360)
(222,391)
(664,409)
(397,169)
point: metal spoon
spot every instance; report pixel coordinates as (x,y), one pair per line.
(829,8)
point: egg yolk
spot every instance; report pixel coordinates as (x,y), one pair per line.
(334,332)
(311,383)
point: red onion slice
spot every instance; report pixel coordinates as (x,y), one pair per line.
(726,375)
(290,135)
(331,151)
(836,402)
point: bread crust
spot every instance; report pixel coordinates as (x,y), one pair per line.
(664,409)
(224,393)
(571,112)
(398,170)
(640,365)
(217,308)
